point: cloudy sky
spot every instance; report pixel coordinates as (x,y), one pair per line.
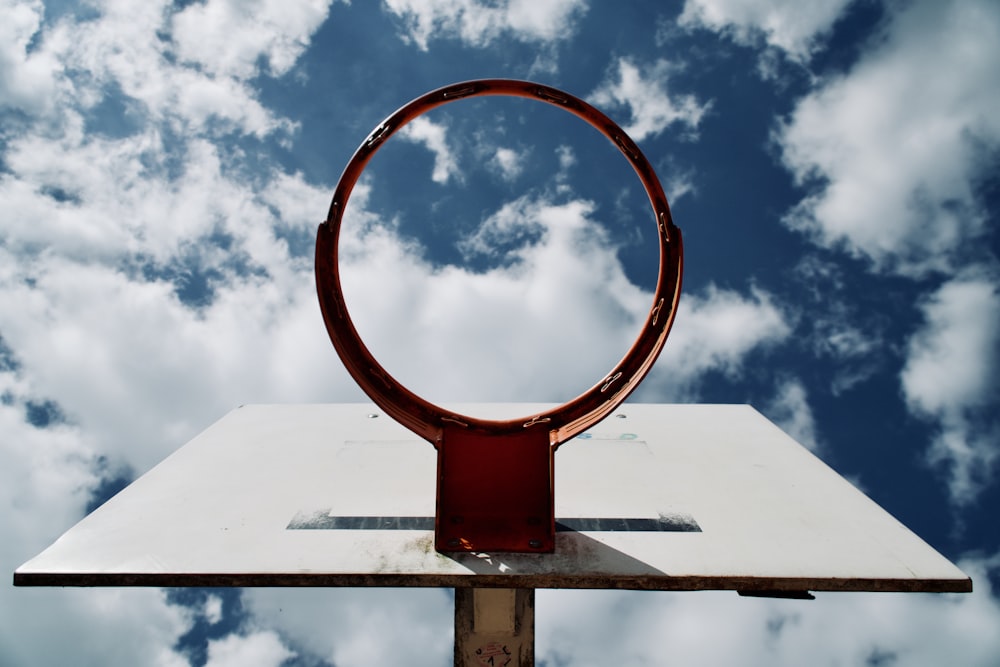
(832,163)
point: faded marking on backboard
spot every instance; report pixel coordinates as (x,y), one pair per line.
(589,435)
(673,523)
(323,520)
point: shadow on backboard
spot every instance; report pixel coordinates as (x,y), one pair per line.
(579,558)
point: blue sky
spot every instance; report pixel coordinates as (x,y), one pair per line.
(832,164)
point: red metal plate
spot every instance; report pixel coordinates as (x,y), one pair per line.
(495,493)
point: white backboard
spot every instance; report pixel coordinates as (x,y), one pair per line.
(658,497)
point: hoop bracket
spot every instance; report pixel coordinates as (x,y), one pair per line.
(495,478)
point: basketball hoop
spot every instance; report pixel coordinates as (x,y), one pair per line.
(505,512)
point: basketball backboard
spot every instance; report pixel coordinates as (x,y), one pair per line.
(656,497)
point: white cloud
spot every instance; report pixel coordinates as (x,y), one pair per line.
(433,135)
(46,475)
(509,163)
(516,223)
(548,321)
(566,157)
(678,181)
(841,339)
(790,410)
(101,320)
(950,376)
(212,609)
(135,212)
(652,107)
(837,328)
(713,333)
(952,360)
(679,185)
(545,324)
(567,160)
(46,478)
(855,347)
(260,649)
(229,37)
(93,626)
(719,628)
(478,23)
(165,369)
(142,67)
(796,27)
(27,79)
(370,627)
(894,147)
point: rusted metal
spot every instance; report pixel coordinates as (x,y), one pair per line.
(459,474)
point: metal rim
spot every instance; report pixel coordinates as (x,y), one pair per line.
(571,418)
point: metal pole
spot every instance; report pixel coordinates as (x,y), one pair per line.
(494,627)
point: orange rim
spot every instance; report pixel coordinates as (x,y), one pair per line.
(569,419)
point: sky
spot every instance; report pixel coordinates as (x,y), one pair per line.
(833,165)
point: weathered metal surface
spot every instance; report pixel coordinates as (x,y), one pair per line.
(494,627)
(220,512)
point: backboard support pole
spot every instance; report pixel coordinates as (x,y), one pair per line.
(494,627)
